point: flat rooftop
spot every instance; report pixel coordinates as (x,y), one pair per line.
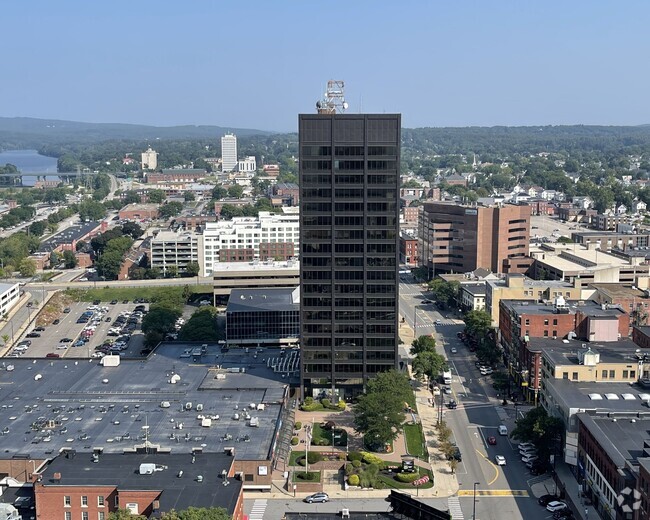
(476,289)
(240,267)
(49,404)
(593,397)
(122,471)
(66,236)
(629,435)
(565,352)
(589,308)
(619,290)
(257,300)
(529,282)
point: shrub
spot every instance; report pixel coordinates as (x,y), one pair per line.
(310,407)
(298,425)
(304,475)
(407,478)
(301,461)
(319,441)
(356,463)
(349,468)
(326,403)
(329,425)
(341,405)
(294,441)
(369,458)
(355,455)
(313,457)
(309,400)
(354,480)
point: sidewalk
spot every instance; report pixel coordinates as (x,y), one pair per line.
(568,483)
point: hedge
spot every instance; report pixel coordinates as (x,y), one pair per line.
(313,457)
(369,458)
(355,455)
(407,478)
(294,441)
(298,425)
(356,463)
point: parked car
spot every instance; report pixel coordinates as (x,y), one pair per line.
(555,506)
(545,499)
(65,340)
(529,458)
(503,430)
(66,310)
(454,350)
(52,355)
(452,405)
(39,329)
(456,455)
(426,302)
(113,302)
(56,321)
(317,497)
(33,335)
(500,460)
(524,445)
(492,440)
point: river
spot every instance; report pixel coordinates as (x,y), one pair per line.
(30,161)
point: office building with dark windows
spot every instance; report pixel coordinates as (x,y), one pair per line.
(349,236)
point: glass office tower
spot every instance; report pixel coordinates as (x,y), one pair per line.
(349,239)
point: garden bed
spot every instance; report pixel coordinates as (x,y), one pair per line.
(321,433)
(313,476)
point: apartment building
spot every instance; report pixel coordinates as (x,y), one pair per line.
(177,249)
(459,238)
(251,238)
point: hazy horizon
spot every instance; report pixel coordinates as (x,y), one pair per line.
(257,65)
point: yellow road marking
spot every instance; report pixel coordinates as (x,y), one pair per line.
(493,492)
(496,468)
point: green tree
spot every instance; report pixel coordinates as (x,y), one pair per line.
(379,418)
(478,323)
(131,197)
(132,229)
(392,382)
(429,363)
(91,210)
(228,211)
(170,209)
(202,326)
(171,271)
(542,430)
(564,240)
(69,259)
(108,265)
(188,196)
(192,269)
(156,196)
(160,320)
(55,258)
(196,513)
(124,514)
(81,245)
(423,344)
(27,267)
(235,191)
(38,228)
(445,292)
(219,192)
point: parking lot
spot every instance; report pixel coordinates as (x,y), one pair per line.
(71,338)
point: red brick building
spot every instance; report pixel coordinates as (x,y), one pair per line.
(139,212)
(89,486)
(277,250)
(457,238)
(289,192)
(189,175)
(408,250)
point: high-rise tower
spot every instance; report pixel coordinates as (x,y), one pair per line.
(349,236)
(228,153)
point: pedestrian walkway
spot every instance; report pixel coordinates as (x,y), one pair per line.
(453,503)
(569,485)
(259,507)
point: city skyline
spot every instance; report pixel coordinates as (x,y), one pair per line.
(460,64)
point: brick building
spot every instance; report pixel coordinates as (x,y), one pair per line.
(288,192)
(458,238)
(173,176)
(92,485)
(408,250)
(139,212)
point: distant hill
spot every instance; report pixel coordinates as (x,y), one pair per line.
(23,131)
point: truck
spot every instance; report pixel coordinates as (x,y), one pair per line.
(446,377)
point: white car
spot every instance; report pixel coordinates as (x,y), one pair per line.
(454,350)
(556,506)
(500,460)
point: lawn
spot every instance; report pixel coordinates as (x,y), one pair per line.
(319,432)
(295,455)
(152,293)
(415,441)
(315,476)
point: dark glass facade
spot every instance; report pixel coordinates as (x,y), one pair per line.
(349,239)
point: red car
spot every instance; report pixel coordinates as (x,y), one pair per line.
(492,440)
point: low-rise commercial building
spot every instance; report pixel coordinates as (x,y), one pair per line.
(262,317)
(254,275)
(67,239)
(610,240)
(472,296)
(408,250)
(176,175)
(9,296)
(139,212)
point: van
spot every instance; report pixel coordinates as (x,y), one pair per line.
(446,377)
(503,430)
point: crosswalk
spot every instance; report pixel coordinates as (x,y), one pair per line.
(259,507)
(453,503)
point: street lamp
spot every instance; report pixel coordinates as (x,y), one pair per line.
(474,504)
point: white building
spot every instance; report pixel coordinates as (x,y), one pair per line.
(9,296)
(228,152)
(170,248)
(248,165)
(149,159)
(258,234)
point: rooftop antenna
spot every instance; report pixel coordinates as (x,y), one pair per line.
(333,101)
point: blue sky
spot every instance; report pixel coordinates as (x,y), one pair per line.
(257,64)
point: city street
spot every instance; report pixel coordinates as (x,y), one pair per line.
(477,417)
